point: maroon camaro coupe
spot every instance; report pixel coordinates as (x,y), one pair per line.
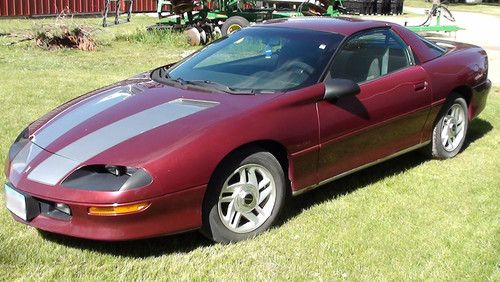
(218,141)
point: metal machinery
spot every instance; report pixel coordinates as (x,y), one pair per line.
(129,4)
(205,20)
(433,22)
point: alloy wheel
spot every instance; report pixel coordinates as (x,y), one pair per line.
(247,198)
(452,130)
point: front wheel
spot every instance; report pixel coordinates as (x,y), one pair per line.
(450,131)
(245,197)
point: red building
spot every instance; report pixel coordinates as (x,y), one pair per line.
(30,8)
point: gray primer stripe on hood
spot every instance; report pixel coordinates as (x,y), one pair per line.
(53,170)
(24,157)
(76,116)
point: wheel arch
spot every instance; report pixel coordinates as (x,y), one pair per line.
(273,147)
(437,149)
(463,91)
(277,149)
(466,93)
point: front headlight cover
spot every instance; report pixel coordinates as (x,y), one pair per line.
(103,178)
(19,143)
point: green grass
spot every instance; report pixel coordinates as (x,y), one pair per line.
(409,218)
(154,37)
(486,8)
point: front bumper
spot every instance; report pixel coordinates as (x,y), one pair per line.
(168,214)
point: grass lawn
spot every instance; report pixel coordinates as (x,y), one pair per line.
(486,8)
(409,218)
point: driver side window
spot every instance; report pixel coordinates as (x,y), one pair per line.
(370,55)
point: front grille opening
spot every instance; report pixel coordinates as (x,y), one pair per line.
(55,210)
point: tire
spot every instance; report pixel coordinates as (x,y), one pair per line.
(450,131)
(235,209)
(233,24)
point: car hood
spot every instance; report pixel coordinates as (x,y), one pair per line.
(122,125)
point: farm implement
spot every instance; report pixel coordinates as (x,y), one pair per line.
(434,20)
(206,20)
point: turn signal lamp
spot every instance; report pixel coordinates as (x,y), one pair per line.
(119,210)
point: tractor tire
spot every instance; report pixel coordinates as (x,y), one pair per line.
(233,24)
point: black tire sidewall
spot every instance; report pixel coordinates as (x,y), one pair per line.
(241,21)
(212,224)
(438,150)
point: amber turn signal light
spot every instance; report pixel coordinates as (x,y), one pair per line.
(119,210)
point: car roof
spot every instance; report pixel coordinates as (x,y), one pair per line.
(348,26)
(341,25)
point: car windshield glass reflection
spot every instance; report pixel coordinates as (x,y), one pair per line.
(260,59)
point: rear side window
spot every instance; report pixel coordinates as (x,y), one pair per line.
(436,50)
(370,55)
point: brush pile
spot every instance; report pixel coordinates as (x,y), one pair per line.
(63,33)
(63,36)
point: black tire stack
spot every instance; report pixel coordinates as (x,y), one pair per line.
(374,7)
(354,6)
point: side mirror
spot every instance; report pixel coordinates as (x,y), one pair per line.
(337,87)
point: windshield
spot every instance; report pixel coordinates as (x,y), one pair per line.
(260,59)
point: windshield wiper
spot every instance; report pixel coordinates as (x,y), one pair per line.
(163,74)
(180,81)
(219,86)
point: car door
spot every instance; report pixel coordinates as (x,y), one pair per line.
(388,114)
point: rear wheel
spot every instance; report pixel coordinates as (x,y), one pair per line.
(233,24)
(245,197)
(450,131)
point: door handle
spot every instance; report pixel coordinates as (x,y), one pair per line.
(420,86)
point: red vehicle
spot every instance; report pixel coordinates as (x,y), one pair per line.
(219,140)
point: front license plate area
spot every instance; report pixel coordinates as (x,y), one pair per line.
(23,206)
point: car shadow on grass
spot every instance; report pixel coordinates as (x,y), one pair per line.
(187,242)
(477,129)
(353,182)
(143,248)
(348,184)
